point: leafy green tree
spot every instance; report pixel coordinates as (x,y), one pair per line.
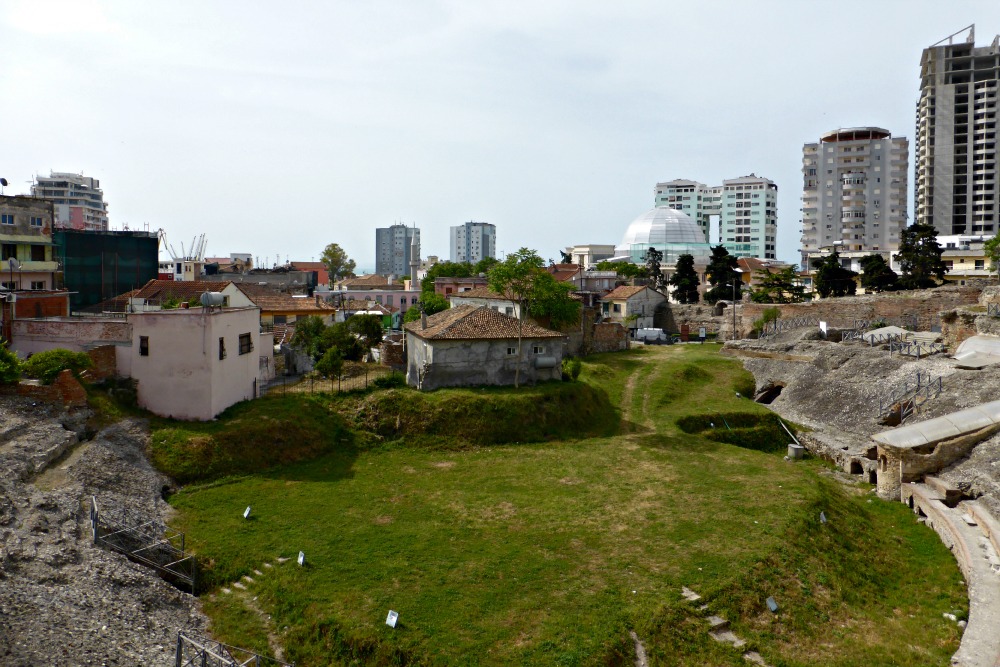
(623,269)
(10,365)
(330,364)
(484,265)
(723,276)
(920,257)
(338,264)
(369,327)
(522,279)
(45,366)
(992,250)
(340,336)
(832,279)
(308,335)
(170,303)
(565,257)
(780,287)
(444,270)
(654,274)
(685,280)
(877,275)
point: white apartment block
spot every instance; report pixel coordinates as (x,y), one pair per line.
(392,249)
(473,241)
(854,193)
(78,200)
(747,209)
(957,153)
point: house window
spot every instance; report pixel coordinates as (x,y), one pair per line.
(980,264)
(280,319)
(537,349)
(37,284)
(6,219)
(37,253)
(222,348)
(36,222)
(8,285)
(246,344)
(511,350)
(616,307)
(143,346)
(8,250)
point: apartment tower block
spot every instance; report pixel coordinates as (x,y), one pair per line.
(393,247)
(854,192)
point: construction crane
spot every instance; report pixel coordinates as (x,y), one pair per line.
(197,248)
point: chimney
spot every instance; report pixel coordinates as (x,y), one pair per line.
(423,321)
(317,301)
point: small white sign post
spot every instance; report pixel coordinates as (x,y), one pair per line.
(390,620)
(822,327)
(302,558)
(246,512)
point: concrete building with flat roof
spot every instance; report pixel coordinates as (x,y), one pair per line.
(78,200)
(957,153)
(393,249)
(746,208)
(853,193)
(473,241)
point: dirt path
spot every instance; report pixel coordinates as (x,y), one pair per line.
(645,417)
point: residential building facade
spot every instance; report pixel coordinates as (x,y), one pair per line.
(853,193)
(473,241)
(957,152)
(27,262)
(393,249)
(637,303)
(78,200)
(747,210)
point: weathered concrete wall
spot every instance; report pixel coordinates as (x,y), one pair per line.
(695,315)
(469,363)
(78,335)
(607,337)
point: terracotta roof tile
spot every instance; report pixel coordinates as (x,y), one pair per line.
(271,301)
(476,323)
(623,292)
(370,280)
(158,291)
(476,293)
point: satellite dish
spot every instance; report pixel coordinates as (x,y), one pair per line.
(3,182)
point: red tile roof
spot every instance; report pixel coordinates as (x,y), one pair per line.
(623,292)
(158,291)
(476,323)
(477,293)
(270,301)
(371,280)
(564,272)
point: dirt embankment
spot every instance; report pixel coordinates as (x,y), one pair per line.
(63,601)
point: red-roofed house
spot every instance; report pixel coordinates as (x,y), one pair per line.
(627,300)
(475,345)
(484,296)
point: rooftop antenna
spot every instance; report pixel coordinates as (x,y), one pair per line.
(3,184)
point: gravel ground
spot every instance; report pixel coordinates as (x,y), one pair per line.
(63,601)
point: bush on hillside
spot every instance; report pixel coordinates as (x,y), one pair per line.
(571,368)
(767,316)
(390,381)
(10,366)
(45,366)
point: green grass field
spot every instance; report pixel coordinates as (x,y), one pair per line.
(549,553)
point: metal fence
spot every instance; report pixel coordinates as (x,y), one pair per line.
(777,326)
(905,399)
(910,322)
(193,651)
(993,309)
(145,542)
(915,348)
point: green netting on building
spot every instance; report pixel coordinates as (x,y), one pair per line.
(101,265)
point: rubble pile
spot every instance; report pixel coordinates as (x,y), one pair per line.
(62,600)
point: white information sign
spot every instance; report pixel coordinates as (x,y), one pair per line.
(246,512)
(822,327)
(302,558)
(390,620)
(701,332)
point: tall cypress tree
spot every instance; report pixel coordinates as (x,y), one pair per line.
(685,280)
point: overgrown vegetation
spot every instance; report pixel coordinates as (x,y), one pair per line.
(45,366)
(767,316)
(10,365)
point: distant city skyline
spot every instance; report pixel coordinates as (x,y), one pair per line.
(279,130)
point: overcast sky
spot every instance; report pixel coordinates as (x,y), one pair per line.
(278,127)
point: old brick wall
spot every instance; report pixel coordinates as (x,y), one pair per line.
(105,363)
(391,355)
(926,305)
(65,390)
(695,315)
(43,304)
(607,337)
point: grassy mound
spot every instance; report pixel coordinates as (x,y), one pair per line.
(247,438)
(761,432)
(551,411)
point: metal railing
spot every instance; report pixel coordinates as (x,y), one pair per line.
(905,399)
(197,651)
(882,339)
(146,542)
(903,322)
(915,348)
(993,309)
(777,326)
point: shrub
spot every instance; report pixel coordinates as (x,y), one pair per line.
(766,317)
(45,366)
(390,381)
(10,366)
(571,368)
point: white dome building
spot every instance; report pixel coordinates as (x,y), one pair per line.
(668,230)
